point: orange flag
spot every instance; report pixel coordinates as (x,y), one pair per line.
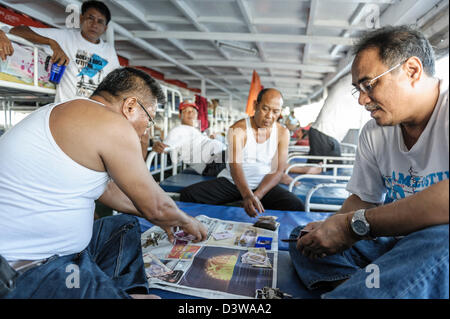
(255,88)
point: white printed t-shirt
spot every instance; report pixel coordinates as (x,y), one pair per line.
(386,171)
(89,62)
(195,149)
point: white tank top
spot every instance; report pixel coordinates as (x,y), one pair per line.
(257,158)
(46,198)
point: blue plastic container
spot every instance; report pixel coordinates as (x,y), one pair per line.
(56,73)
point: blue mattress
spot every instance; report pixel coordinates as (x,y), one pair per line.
(287,278)
(176,183)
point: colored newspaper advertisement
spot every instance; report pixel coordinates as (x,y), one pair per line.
(234,261)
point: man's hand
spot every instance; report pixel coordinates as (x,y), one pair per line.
(59,56)
(159,147)
(252,205)
(192,227)
(326,238)
(6,47)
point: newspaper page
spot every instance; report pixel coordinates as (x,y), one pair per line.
(226,265)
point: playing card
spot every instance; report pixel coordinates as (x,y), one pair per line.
(154,267)
(222,235)
(182,236)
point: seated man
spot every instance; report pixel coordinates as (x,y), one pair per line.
(258,148)
(203,154)
(403,155)
(53,166)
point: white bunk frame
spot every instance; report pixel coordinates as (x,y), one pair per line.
(20,91)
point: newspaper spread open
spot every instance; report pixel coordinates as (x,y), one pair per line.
(226,265)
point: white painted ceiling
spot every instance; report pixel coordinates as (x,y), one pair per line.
(299,47)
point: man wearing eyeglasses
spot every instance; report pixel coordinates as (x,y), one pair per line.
(53,166)
(400,182)
(87,57)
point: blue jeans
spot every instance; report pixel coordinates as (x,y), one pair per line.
(110,267)
(415,266)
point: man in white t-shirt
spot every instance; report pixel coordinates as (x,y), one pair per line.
(203,154)
(87,57)
(399,186)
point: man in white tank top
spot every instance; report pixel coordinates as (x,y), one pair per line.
(53,166)
(257,154)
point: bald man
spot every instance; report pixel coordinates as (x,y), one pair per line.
(257,155)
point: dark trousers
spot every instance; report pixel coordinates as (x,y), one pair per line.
(221,191)
(323,145)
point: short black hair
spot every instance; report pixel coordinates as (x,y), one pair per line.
(123,81)
(396,44)
(98,5)
(264,91)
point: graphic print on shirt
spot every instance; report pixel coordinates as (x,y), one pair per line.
(91,69)
(403,184)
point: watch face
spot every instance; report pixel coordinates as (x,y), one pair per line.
(360,228)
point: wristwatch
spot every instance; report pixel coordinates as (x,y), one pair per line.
(359,224)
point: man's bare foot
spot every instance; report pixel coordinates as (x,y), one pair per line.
(286,179)
(138,296)
(313,170)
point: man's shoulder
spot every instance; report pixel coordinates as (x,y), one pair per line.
(97,114)
(282,129)
(239,124)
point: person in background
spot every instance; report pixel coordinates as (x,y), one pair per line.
(202,153)
(257,148)
(88,58)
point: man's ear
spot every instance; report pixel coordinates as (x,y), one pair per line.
(255,105)
(414,69)
(129,107)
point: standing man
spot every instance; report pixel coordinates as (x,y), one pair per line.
(403,157)
(87,57)
(53,166)
(258,148)
(203,154)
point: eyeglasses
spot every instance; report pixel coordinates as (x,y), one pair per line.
(367,86)
(151,122)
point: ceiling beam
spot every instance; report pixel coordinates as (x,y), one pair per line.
(245,11)
(309,27)
(279,79)
(240,64)
(192,17)
(244,37)
(397,14)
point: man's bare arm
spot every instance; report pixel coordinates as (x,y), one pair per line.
(6,48)
(59,56)
(271,180)
(114,198)
(352,203)
(236,142)
(122,156)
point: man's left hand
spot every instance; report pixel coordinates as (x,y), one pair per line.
(329,237)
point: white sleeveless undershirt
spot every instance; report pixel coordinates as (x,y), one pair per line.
(257,158)
(46,198)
